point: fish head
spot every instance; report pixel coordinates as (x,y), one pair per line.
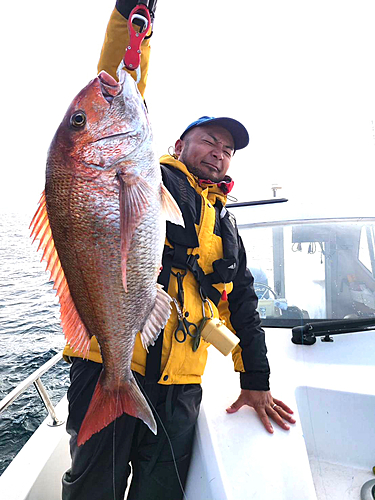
(106,124)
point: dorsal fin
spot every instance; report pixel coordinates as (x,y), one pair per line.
(74,330)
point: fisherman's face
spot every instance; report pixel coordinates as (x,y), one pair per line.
(206,151)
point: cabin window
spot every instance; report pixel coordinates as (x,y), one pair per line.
(312,270)
(366,248)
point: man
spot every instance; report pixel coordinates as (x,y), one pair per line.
(204,271)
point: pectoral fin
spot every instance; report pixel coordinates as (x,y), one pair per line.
(157,318)
(135,195)
(171,209)
(74,330)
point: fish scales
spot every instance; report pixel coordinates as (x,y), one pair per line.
(107,208)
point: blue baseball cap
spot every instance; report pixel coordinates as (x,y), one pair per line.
(235,128)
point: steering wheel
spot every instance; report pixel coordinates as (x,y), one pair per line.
(262,289)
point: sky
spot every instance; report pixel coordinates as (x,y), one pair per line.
(298,74)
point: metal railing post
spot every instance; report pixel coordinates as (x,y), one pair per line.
(47,403)
(34,378)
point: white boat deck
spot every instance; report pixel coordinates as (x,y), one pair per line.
(332,446)
(35,473)
(330,386)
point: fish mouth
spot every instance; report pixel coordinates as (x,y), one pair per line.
(109,86)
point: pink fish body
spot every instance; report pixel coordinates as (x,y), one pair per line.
(101,223)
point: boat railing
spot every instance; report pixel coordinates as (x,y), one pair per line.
(34,378)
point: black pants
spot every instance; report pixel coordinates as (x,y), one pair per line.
(100,467)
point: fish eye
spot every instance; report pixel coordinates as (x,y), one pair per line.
(78,119)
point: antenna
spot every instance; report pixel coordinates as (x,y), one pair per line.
(274,188)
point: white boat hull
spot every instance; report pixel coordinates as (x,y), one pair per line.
(327,455)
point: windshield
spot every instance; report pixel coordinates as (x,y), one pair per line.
(312,270)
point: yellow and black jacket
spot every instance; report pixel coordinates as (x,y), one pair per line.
(209,252)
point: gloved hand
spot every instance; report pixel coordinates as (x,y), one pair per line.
(126,6)
(117,39)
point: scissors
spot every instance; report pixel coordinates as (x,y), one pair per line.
(184,326)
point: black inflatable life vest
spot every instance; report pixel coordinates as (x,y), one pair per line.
(182,238)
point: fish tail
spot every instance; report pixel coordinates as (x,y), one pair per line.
(108,404)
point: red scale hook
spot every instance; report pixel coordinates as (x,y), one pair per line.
(132,57)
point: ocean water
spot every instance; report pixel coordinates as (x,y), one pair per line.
(30,333)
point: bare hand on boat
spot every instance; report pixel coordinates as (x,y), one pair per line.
(266,406)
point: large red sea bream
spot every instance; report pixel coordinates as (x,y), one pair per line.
(101,223)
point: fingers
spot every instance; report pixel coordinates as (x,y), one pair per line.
(282,405)
(278,415)
(266,407)
(279,412)
(265,413)
(260,411)
(235,406)
(265,420)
